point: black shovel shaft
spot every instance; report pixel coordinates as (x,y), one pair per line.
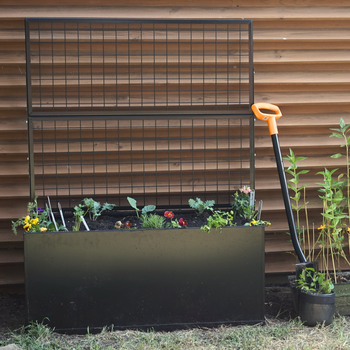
(286,199)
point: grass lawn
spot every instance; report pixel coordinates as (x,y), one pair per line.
(275,334)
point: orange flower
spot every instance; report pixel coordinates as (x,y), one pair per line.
(322,227)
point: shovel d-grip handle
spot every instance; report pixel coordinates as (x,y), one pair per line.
(270,118)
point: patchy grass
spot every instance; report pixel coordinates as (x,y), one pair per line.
(275,334)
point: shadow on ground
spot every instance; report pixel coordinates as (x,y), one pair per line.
(278,305)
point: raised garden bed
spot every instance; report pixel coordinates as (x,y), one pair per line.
(158,110)
(145,278)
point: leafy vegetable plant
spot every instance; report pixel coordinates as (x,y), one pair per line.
(95,209)
(199,205)
(145,210)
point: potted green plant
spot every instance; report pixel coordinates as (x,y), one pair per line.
(161,275)
(328,243)
(317,298)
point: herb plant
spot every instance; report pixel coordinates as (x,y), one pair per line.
(199,205)
(152,221)
(218,219)
(314,282)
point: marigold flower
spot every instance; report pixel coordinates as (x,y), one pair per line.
(169,214)
(27,218)
(43,229)
(182,222)
(253,223)
(348,229)
(322,227)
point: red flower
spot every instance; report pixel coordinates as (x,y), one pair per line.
(128,224)
(182,222)
(169,214)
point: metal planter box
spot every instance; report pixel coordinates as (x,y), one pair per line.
(145,278)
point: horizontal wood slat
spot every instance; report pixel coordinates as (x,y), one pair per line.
(11,274)
(256,13)
(204,3)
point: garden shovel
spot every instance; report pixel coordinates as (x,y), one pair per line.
(271,121)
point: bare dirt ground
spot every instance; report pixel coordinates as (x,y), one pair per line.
(278,306)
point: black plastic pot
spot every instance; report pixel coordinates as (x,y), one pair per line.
(160,279)
(316,308)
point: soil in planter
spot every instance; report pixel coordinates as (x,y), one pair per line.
(107,220)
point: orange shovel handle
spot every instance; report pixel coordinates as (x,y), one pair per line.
(270,118)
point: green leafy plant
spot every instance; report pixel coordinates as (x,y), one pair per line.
(94,208)
(152,221)
(293,183)
(80,211)
(36,220)
(342,133)
(199,205)
(314,282)
(219,219)
(298,204)
(241,204)
(145,210)
(332,228)
(335,209)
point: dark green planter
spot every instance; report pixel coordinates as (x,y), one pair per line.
(342,299)
(145,278)
(316,308)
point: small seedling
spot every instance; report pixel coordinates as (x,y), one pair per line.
(146,209)
(95,209)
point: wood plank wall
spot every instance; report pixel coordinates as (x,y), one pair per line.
(302,64)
